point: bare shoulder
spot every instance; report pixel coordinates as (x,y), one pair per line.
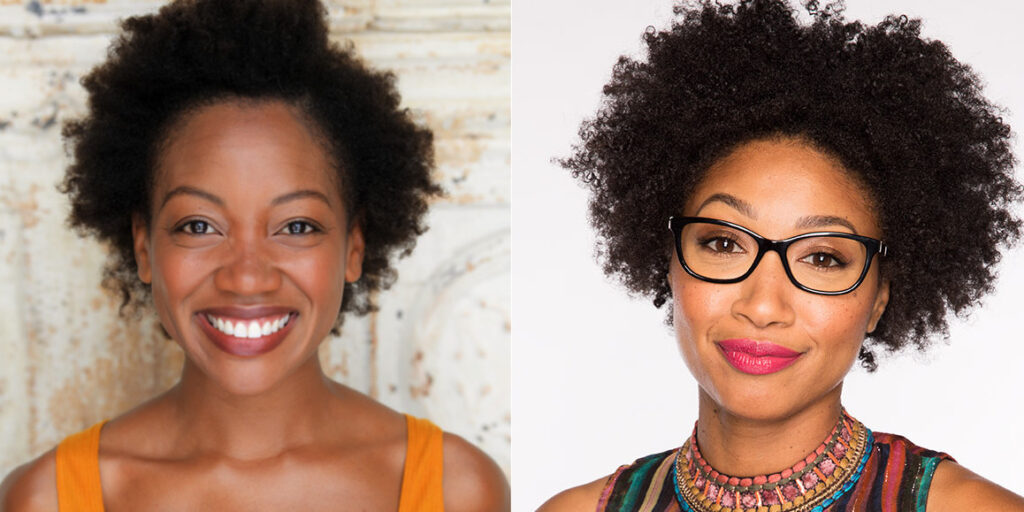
(368,416)
(32,486)
(580,498)
(472,481)
(955,488)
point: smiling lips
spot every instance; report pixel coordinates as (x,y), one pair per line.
(246,332)
(757,358)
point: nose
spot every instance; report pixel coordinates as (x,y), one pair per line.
(247,268)
(766,294)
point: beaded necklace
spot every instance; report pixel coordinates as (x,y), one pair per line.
(811,485)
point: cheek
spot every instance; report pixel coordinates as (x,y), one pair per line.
(319,275)
(697,307)
(837,325)
(176,274)
(179,269)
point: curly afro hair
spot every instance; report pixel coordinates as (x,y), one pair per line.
(898,111)
(194,53)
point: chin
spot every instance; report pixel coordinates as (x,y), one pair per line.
(757,401)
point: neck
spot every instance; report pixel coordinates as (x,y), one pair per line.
(741,446)
(250,427)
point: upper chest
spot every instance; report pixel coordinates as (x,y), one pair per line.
(307,480)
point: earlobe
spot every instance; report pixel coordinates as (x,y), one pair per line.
(354,258)
(140,236)
(881,301)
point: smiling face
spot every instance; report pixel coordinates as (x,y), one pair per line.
(248,229)
(778,189)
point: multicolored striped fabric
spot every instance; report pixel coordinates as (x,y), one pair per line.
(895,479)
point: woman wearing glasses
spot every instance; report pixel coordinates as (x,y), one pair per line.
(804,173)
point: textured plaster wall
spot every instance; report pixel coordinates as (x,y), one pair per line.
(438,347)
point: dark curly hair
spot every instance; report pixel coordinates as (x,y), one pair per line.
(194,53)
(897,110)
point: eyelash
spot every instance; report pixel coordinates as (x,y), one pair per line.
(312,227)
(183,228)
(308,228)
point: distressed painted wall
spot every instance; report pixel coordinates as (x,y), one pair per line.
(438,347)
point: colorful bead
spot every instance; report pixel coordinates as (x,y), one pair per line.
(728,499)
(825,474)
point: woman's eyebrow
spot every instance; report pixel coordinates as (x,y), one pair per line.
(187,190)
(731,200)
(291,196)
(300,194)
(820,221)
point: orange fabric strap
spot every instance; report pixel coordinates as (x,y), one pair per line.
(79,489)
(78,472)
(424,462)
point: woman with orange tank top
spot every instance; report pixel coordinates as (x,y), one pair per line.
(79,488)
(254,182)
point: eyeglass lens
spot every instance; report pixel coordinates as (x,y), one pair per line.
(822,263)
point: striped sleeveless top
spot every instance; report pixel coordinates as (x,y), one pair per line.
(78,471)
(896,478)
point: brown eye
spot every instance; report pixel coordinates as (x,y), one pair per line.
(721,244)
(299,227)
(824,260)
(196,227)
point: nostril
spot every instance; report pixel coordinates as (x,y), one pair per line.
(248,276)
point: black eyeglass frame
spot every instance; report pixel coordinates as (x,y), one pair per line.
(873,246)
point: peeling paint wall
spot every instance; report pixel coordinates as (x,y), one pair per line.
(439,346)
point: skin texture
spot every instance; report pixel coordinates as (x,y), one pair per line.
(273,426)
(892,105)
(751,425)
(778,183)
(193,53)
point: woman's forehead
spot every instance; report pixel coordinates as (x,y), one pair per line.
(780,184)
(241,145)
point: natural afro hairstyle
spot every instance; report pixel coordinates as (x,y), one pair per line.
(898,111)
(194,53)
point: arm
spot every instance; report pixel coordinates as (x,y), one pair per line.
(31,487)
(954,488)
(472,481)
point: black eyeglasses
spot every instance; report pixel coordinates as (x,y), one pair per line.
(826,263)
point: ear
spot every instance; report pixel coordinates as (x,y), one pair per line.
(881,300)
(354,258)
(140,236)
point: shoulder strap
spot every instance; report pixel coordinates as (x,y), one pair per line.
(897,476)
(646,485)
(424,461)
(78,472)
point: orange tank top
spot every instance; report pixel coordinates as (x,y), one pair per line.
(78,470)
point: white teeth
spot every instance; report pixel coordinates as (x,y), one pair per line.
(243,329)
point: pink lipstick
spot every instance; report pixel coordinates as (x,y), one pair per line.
(757,358)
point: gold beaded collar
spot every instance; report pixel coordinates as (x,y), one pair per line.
(810,485)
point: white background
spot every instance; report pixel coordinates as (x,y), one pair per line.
(597,378)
